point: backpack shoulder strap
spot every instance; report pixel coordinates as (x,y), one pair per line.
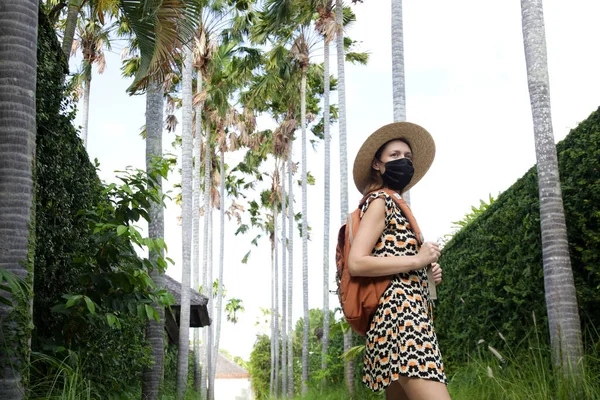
(407,213)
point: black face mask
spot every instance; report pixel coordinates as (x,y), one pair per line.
(398,174)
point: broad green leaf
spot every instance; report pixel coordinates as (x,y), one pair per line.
(111,319)
(121,229)
(90,305)
(149,311)
(72,300)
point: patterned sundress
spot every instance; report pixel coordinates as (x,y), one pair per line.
(401,340)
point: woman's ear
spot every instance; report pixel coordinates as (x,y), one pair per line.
(375,164)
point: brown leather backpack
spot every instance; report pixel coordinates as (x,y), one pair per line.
(359,296)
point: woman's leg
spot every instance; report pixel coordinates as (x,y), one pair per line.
(395,392)
(424,389)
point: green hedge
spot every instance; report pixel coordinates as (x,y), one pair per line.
(66,182)
(493,279)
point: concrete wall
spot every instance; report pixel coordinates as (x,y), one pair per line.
(233,389)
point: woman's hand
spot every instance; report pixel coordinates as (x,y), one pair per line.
(437,273)
(429,253)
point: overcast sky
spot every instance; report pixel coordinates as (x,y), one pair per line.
(465,82)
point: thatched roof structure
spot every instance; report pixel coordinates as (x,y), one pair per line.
(198,311)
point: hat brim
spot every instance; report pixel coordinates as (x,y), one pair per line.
(421,144)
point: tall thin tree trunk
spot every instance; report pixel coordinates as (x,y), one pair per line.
(561,299)
(349,369)
(348,365)
(18,52)
(290,271)
(341,89)
(70,25)
(206,274)
(218,311)
(212,357)
(398,81)
(284,358)
(186,183)
(398,85)
(196,232)
(327,201)
(153,376)
(272,327)
(276,291)
(86,110)
(304,236)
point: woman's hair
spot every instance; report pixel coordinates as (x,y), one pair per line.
(375,180)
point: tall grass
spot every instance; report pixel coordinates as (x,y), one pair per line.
(524,371)
(58,379)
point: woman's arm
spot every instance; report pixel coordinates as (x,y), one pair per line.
(362,263)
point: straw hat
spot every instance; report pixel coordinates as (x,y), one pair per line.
(421,144)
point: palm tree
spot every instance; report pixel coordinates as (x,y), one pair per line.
(153,375)
(300,52)
(207,264)
(284,356)
(19,21)
(339,19)
(222,148)
(325,24)
(187,144)
(92,38)
(398,86)
(232,308)
(74,9)
(561,299)
(290,356)
(196,229)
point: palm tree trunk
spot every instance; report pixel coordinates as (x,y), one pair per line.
(304,236)
(327,202)
(272,328)
(86,109)
(349,365)
(212,357)
(196,232)
(153,375)
(398,86)
(349,368)
(341,89)
(398,81)
(284,358)
(186,201)
(70,25)
(290,276)
(18,35)
(206,267)
(218,311)
(276,291)
(561,300)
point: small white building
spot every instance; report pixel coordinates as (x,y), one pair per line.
(232,382)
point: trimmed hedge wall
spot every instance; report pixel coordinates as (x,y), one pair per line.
(66,183)
(493,279)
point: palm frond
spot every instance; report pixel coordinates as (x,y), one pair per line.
(162,27)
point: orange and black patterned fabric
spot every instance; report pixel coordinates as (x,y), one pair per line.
(401,340)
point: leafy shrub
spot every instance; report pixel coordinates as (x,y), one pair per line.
(494,274)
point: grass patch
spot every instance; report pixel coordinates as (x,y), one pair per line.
(524,372)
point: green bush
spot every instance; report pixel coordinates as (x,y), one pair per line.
(260,358)
(493,278)
(92,290)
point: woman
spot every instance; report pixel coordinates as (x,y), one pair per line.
(402,354)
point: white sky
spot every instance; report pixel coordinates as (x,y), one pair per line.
(465,82)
